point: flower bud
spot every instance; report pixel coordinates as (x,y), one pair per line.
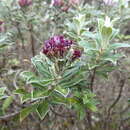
(24,3)
(57,2)
(76,54)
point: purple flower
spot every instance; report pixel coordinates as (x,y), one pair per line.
(57,46)
(24,3)
(76,54)
(57,2)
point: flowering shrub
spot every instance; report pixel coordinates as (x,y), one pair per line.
(56,72)
(66,71)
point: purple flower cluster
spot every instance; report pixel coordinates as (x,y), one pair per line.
(24,3)
(58,46)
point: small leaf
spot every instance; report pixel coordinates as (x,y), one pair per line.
(106,32)
(26,111)
(7,102)
(2,90)
(91,106)
(20,91)
(43,109)
(42,64)
(64,92)
(80,111)
(27,75)
(119,45)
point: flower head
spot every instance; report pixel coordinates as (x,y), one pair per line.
(59,47)
(56,46)
(24,3)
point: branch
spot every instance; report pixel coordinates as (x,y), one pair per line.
(20,35)
(32,40)
(121,85)
(9,116)
(92,79)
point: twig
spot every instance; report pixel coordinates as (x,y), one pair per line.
(92,79)
(7,117)
(121,85)
(91,88)
(32,39)
(20,35)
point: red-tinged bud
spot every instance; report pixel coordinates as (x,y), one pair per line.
(24,3)
(57,2)
(65,8)
(76,54)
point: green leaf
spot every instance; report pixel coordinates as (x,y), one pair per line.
(113,58)
(91,106)
(26,111)
(43,109)
(72,82)
(40,83)
(41,93)
(89,35)
(80,111)
(26,97)
(114,33)
(27,75)
(20,91)
(106,32)
(7,102)
(2,90)
(70,72)
(35,81)
(64,92)
(88,46)
(119,45)
(42,65)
